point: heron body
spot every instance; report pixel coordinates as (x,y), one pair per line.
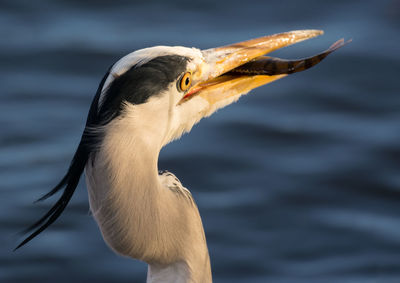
(146,100)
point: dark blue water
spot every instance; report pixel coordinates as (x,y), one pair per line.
(297,182)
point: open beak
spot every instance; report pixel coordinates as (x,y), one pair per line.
(232,70)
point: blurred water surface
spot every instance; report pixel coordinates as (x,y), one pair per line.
(297,182)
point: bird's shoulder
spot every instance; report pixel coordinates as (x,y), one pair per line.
(171,182)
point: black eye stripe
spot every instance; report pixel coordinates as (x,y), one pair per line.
(138,84)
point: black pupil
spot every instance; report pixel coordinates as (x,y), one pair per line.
(187,81)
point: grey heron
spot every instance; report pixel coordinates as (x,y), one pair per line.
(147,99)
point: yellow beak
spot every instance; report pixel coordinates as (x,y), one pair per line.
(238,68)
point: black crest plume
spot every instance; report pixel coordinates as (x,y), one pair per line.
(71,179)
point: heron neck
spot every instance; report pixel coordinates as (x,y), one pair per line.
(142,217)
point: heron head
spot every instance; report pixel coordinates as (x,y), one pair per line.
(161,92)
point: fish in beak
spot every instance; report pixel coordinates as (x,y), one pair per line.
(230,71)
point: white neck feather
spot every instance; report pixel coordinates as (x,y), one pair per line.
(138,215)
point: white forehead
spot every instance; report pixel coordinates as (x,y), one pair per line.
(143,56)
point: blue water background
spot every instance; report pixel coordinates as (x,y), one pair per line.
(297,182)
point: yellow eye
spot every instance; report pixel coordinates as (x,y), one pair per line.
(185,81)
